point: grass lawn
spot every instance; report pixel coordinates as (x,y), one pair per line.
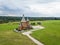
(50,35)
(9,37)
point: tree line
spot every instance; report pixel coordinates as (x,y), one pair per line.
(6,19)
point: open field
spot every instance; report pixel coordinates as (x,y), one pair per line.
(9,37)
(50,35)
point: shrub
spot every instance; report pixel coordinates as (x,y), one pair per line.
(39,23)
(33,24)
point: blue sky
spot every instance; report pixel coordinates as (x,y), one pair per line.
(34,8)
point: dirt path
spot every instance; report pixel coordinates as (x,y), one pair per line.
(30,31)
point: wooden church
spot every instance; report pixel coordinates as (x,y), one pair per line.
(24,24)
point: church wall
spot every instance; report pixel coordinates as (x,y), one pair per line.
(24,24)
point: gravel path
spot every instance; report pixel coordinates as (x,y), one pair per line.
(30,31)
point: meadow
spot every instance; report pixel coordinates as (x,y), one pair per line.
(50,35)
(9,37)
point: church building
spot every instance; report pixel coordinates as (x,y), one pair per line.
(24,24)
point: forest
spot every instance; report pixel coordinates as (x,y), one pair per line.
(6,19)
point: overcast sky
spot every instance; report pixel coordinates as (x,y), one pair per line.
(34,8)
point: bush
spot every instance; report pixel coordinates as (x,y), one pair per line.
(39,23)
(33,24)
(1,21)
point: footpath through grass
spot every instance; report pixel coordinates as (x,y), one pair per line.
(51,34)
(9,37)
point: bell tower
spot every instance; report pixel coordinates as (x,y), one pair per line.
(23,19)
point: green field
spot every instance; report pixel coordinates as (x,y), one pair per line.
(9,37)
(50,35)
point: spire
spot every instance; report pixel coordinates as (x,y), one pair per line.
(27,19)
(23,19)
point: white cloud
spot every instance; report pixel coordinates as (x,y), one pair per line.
(1,12)
(50,8)
(33,7)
